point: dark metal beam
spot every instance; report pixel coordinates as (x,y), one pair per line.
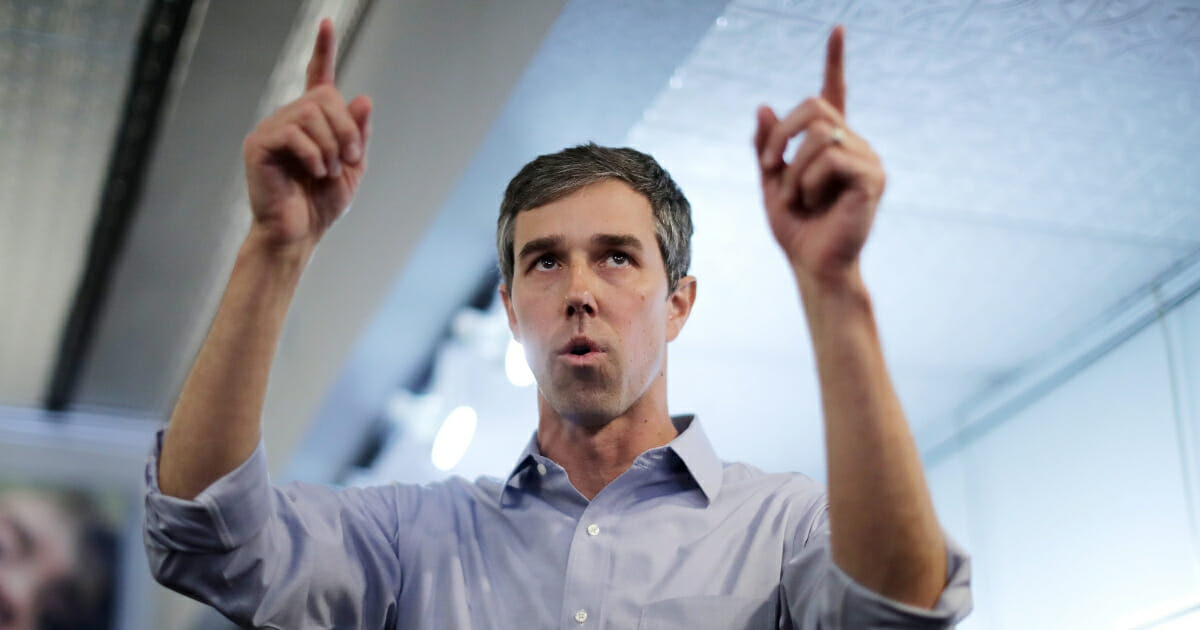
(161,34)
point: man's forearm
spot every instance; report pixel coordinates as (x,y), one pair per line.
(884,530)
(215,425)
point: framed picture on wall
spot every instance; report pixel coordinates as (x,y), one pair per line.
(70,510)
(59,555)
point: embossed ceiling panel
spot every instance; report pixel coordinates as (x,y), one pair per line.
(1042,164)
(63,74)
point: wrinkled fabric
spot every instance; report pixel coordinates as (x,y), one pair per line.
(680,540)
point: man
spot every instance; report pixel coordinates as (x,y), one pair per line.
(616,515)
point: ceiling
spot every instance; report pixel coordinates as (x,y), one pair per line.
(65,69)
(1043,190)
(1040,157)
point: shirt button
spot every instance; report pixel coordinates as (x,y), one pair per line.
(580,615)
(541,469)
(593,529)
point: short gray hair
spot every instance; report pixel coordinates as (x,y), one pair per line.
(555,175)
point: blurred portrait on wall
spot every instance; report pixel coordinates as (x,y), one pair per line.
(58,556)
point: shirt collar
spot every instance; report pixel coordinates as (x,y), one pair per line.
(691,446)
(528,458)
(696,452)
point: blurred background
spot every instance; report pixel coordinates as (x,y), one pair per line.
(1034,265)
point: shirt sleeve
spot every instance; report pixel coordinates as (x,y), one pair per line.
(820,595)
(292,556)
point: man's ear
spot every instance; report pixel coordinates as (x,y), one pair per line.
(679,306)
(508,309)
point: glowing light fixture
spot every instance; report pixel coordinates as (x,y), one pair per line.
(515,365)
(453,438)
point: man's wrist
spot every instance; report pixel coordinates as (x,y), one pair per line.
(261,246)
(836,284)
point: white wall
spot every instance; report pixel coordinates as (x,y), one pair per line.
(1076,508)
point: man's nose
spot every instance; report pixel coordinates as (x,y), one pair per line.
(580,300)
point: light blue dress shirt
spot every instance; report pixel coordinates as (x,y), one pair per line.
(680,540)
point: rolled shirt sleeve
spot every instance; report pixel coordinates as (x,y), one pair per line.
(821,595)
(291,556)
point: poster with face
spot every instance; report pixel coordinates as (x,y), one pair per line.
(70,522)
(58,556)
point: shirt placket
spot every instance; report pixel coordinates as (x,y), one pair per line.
(590,561)
(589,564)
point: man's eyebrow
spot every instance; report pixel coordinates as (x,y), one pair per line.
(625,241)
(546,243)
(542,244)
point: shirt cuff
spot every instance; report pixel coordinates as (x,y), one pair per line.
(224,516)
(863,608)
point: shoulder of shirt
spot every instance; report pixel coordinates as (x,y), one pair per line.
(455,488)
(736,472)
(740,477)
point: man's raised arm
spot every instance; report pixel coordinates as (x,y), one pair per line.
(303,165)
(820,206)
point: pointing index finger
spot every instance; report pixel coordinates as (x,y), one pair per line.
(834,89)
(320,66)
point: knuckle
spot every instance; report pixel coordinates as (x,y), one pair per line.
(297,139)
(326,93)
(308,112)
(266,133)
(778,136)
(346,131)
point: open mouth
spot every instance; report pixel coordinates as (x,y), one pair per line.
(580,349)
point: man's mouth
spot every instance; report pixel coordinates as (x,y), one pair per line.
(580,350)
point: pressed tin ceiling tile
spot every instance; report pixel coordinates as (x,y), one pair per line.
(1041,161)
(63,67)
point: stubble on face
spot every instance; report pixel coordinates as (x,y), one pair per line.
(629,323)
(588,396)
(592,395)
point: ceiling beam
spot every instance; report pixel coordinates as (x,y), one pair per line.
(149,81)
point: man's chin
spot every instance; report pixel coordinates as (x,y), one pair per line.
(586,397)
(592,410)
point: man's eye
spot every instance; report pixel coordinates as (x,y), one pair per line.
(619,259)
(545,263)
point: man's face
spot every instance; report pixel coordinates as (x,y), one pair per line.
(589,301)
(36,547)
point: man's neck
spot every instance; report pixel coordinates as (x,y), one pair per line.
(594,457)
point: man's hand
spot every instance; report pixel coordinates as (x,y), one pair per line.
(884,532)
(822,204)
(303,165)
(305,161)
